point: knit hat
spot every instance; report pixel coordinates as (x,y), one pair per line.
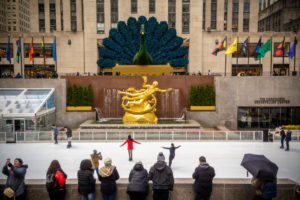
(139,163)
(160,157)
(107,161)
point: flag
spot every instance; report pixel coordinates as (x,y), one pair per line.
(8,51)
(292,50)
(244,48)
(43,50)
(31,51)
(54,49)
(221,47)
(280,49)
(18,51)
(264,49)
(232,48)
(256,52)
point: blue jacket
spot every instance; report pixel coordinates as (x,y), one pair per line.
(55,130)
(288,136)
(15,178)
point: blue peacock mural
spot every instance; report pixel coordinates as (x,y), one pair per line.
(129,43)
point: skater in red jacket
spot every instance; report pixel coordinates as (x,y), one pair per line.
(129,142)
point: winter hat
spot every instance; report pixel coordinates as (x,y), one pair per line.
(85,164)
(95,151)
(160,157)
(139,163)
(107,161)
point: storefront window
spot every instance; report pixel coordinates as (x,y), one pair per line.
(38,50)
(6,71)
(295,115)
(264,114)
(39,71)
(3,50)
(286,117)
(281,69)
(242,117)
(246,70)
(29,124)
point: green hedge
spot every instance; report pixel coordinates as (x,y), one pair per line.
(202,96)
(79,96)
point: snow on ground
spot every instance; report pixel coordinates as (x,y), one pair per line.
(225,157)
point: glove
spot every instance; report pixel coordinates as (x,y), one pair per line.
(10,165)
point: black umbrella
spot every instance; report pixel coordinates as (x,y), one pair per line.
(260,166)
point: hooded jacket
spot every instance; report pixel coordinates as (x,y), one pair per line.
(138,180)
(130,143)
(15,178)
(108,176)
(203,176)
(86,181)
(161,176)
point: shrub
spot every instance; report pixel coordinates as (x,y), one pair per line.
(292,127)
(79,96)
(202,96)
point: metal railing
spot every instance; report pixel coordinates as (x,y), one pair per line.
(139,134)
(276,135)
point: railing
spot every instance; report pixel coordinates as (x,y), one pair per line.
(295,135)
(138,134)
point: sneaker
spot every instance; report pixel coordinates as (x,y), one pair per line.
(281,147)
(287,150)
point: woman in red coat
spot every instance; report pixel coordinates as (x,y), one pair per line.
(129,142)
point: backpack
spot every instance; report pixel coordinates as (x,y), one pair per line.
(269,190)
(60,178)
(50,182)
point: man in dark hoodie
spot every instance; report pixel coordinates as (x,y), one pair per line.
(162,178)
(86,180)
(203,176)
(15,177)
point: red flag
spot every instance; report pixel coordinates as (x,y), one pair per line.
(31,51)
(280,49)
(221,47)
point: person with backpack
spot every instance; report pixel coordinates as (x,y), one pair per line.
(138,186)
(69,136)
(15,186)
(264,189)
(86,180)
(56,181)
(282,135)
(288,139)
(172,152)
(129,142)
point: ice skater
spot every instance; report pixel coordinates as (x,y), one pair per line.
(172,152)
(129,142)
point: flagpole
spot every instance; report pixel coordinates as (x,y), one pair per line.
(237,53)
(295,56)
(32,55)
(260,45)
(20,57)
(248,50)
(43,49)
(226,55)
(271,58)
(55,55)
(283,48)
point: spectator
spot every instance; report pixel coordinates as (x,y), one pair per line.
(282,135)
(108,176)
(15,179)
(199,73)
(264,189)
(275,73)
(86,180)
(55,181)
(162,178)
(55,133)
(288,139)
(129,142)
(18,76)
(203,176)
(138,186)
(95,157)
(172,152)
(54,74)
(209,73)
(69,136)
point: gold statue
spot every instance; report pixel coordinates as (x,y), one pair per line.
(140,105)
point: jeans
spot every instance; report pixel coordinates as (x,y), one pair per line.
(130,154)
(287,145)
(90,196)
(282,142)
(55,138)
(97,171)
(160,194)
(170,160)
(109,196)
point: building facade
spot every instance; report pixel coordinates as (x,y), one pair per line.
(80,26)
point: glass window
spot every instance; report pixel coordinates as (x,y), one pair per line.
(133,6)
(246,70)
(114,13)
(264,115)
(235,15)
(172,13)
(3,50)
(100,16)
(29,124)
(281,69)
(61,15)
(286,48)
(38,50)
(275,117)
(286,116)
(225,14)
(296,115)
(73,15)
(246,15)
(151,6)
(185,16)
(213,19)
(242,117)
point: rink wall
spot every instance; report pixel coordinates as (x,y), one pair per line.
(223,189)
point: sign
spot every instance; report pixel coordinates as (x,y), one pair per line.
(280,100)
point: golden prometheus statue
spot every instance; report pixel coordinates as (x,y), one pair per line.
(140,105)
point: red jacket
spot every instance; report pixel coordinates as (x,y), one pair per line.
(130,144)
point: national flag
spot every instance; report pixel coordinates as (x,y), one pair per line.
(232,48)
(280,49)
(43,50)
(292,50)
(256,52)
(18,51)
(244,48)
(31,51)
(8,51)
(54,49)
(264,49)
(221,47)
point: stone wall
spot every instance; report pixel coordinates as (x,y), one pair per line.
(223,189)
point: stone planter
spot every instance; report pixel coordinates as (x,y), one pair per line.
(206,108)
(79,108)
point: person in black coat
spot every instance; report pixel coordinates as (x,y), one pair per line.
(69,136)
(162,178)
(56,192)
(138,186)
(86,180)
(203,176)
(15,177)
(172,152)
(108,175)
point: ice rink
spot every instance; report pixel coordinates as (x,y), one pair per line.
(225,157)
